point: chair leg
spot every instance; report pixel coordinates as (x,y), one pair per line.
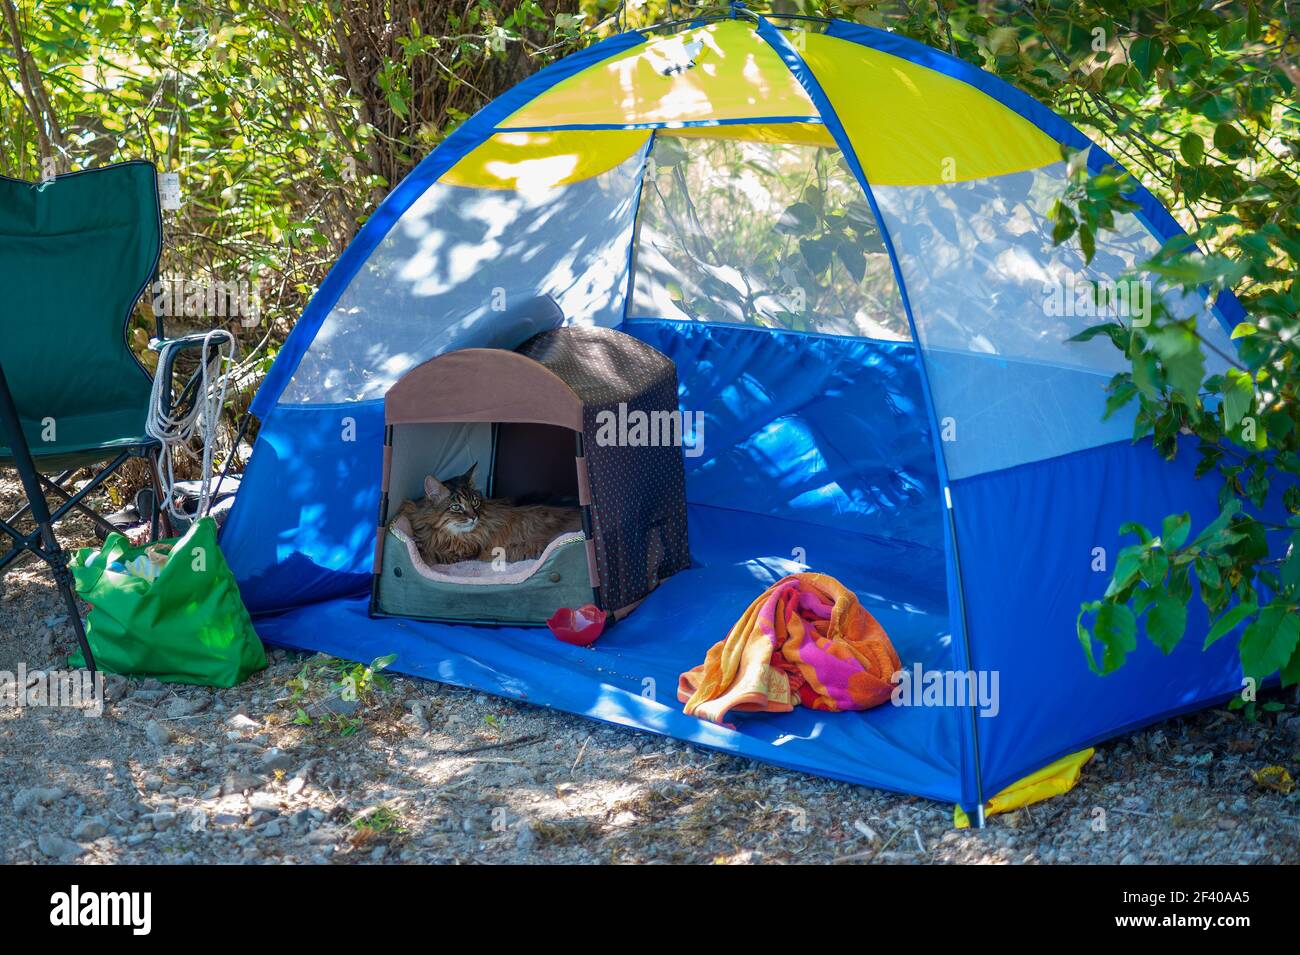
(104,526)
(19,514)
(64,578)
(48,550)
(160,522)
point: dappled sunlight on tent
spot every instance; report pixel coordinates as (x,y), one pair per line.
(536,161)
(722,71)
(531,175)
(460,255)
(812,733)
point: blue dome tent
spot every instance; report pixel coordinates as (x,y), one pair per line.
(842,238)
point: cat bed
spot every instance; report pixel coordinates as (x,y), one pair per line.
(553,421)
(481,591)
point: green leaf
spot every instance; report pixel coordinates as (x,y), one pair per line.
(1226,136)
(1121,395)
(854,261)
(1115,627)
(1219,108)
(815,198)
(1192,148)
(1063,224)
(1174,530)
(1154,567)
(1218,525)
(1238,397)
(1085,635)
(1004,41)
(1291,672)
(1133,527)
(798,219)
(1208,573)
(1146,54)
(1252,21)
(1128,569)
(1229,621)
(1087,242)
(1092,331)
(1201,270)
(1181,355)
(817,253)
(1145,372)
(1167,622)
(1268,643)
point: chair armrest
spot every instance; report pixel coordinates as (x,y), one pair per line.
(184,343)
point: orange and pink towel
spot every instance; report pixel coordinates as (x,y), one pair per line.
(806,640)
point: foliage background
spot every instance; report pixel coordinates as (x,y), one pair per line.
(288,121)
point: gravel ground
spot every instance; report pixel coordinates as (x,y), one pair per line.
(422,772)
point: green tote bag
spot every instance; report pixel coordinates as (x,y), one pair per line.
(170,610)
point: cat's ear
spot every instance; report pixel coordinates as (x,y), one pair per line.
(468,476)
(434,489)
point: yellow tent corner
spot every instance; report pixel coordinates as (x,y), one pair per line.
(1052,780)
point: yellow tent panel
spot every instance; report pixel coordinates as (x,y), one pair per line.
(911,126)
(542,160)
(735,75)
(529,161)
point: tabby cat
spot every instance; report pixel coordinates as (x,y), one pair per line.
(454,522)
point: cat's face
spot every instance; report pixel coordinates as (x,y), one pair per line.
(456,503)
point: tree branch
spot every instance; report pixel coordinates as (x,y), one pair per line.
(38,103)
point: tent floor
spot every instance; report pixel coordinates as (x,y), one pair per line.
(629,677)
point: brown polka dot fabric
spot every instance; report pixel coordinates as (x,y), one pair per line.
(638,489)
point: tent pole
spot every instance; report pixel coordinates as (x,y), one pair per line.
(636,225)
(803,74)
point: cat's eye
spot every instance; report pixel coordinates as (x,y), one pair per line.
(455,507)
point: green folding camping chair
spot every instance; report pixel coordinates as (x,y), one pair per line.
(76,254)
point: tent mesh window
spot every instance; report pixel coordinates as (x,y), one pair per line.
(577,414)
(778,235)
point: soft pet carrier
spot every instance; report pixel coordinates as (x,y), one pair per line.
(581,414)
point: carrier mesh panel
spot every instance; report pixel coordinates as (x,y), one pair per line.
(638,492)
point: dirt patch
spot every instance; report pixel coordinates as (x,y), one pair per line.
(281,770)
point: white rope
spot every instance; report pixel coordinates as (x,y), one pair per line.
(202,418)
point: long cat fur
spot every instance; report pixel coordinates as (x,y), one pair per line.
(454,522)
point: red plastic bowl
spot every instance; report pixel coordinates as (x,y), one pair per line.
(579,627)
